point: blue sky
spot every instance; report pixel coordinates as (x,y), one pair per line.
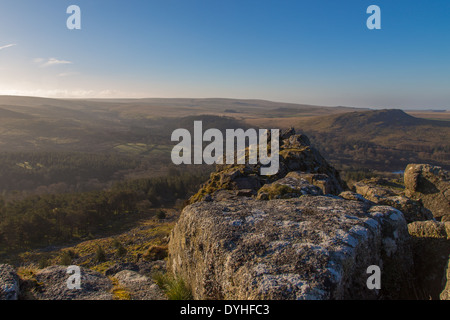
(316,52)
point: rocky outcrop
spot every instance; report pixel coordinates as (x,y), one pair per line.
(424,202)
(301,234)
(431,185)
(9,283)
(310,247)
(296,154)
(431,250)
(383,192)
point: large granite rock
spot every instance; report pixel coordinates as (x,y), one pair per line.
(431,185)
(9,283)
(312,247)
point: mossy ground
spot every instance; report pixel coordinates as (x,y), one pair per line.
(277,191)
(119,292)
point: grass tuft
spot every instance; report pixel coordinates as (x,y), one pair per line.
(173,286)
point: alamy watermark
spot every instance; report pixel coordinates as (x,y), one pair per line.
(222,150)
(374,280)
(374,21)
(74,20)
(74,281)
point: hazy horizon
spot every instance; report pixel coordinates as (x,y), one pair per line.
(230,98)
(298,52)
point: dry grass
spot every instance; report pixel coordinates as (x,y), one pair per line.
(119,292)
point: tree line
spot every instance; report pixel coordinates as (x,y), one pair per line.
(364,154)
(49,219)
(29,170)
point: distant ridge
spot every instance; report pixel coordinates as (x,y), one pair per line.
(367,121)
(178,102)
(385,117)
(171,107)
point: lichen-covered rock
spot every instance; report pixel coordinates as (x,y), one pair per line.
(313,247)
(291,186)
(350,195)
(328,185)
(431,185)
(53,285)
(381,191)
(431,249)
(9,283)
(373,189)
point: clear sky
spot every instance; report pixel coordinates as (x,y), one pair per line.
(316,51)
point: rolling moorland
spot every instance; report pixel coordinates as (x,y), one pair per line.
(81,174)
(82,145)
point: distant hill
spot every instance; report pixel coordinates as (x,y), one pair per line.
(370,119)
(382,139)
